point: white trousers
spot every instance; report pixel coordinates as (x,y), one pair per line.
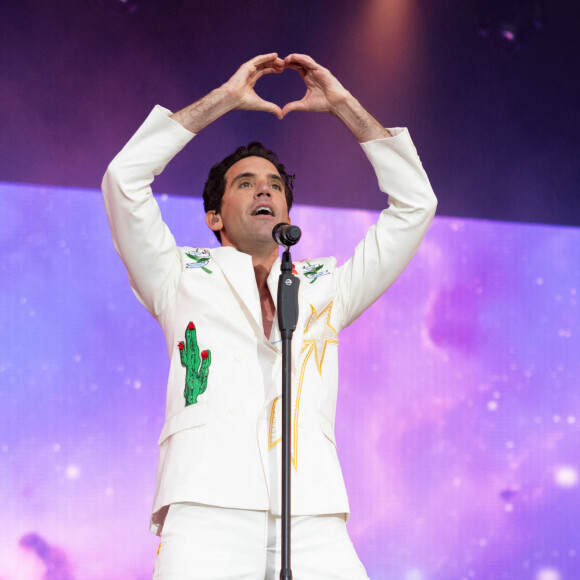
(201,542)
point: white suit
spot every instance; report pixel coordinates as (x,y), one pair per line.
(221,449)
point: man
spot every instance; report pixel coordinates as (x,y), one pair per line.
(217,497)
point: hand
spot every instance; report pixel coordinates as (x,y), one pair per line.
(323,91)
(323,94)
(241,85)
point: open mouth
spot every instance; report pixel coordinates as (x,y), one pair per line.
(263,210)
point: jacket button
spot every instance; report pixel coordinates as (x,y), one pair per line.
(232,410)
(238,357)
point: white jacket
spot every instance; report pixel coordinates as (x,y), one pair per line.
(224,448)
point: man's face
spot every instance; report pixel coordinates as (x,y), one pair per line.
(254,202)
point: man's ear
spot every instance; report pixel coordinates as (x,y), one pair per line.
(214,221)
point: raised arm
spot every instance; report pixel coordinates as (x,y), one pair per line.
(390,244)
(325,94)
(237,93)
(141,238)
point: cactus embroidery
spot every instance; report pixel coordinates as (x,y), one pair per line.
(196,363)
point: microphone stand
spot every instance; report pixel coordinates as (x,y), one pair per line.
(287,317)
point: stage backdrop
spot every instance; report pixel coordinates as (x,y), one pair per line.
(458,422)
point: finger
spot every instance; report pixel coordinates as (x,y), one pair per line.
(275,69)
(275,66)
(278,63)
(266,61)
(249,68)
(301,70)
(262,58)
(257,61)
(303,60)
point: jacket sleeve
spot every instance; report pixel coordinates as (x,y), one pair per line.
(390,244)
(141,238)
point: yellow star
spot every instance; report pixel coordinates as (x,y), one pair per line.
(322,333)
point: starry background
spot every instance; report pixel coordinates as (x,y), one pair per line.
(460,440)
(458,422)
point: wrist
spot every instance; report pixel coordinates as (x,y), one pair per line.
(226,98)
(359,121)
(343,104)
(205,111)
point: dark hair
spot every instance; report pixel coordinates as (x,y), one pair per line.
(215,186)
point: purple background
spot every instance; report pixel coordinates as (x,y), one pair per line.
(458,422)
(460,443)
(499,130)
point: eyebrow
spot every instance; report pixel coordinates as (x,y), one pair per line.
(273,176)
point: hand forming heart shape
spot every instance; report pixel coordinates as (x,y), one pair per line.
(323,91)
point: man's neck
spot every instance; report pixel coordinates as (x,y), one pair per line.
(263,257)
(262,266)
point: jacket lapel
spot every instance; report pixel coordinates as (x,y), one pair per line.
(239,273)
(273,278)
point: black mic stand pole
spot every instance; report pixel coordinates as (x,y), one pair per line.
(287,318)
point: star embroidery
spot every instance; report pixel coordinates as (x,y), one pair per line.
(319,328)
(321,332)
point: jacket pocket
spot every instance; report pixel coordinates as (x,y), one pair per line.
(192,416)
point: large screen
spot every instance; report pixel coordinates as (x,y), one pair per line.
(458,422)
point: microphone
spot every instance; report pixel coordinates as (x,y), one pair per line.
(286,234)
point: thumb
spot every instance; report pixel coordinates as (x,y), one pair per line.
(268,107)
(275,110)
(294,106)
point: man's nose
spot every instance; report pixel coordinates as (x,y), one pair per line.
(263,189)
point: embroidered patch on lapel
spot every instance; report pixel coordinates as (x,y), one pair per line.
(312,270)
(196,363)
(200,259)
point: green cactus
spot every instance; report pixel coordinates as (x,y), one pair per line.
(196,363)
